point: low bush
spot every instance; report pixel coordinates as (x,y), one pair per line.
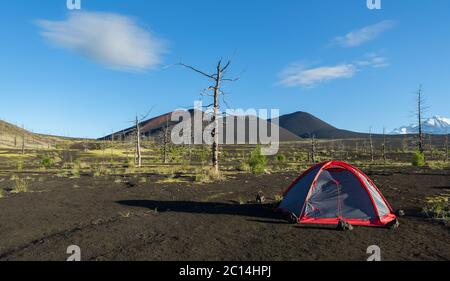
(46,162)
(208,175)
(20,186)
(281,158)
(243,167)
(418,159)
(257,161)
(437,207)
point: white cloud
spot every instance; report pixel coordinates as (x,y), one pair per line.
(363,35)
(298,75)
(373,60)
(111,39)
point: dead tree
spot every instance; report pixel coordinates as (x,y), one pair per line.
(166,141)
(446,146)
(218,77)
(332,148)
(419,114)
(383,146)
(23,145)
(137,154)
(313,149)
(137,133)
(371,145)
(430,144)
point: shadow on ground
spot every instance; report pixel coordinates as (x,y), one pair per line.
(259,211)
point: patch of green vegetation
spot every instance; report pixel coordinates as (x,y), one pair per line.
(208,175)
(18,155)
(257,161)
(2,193)
(437,207)
(418,159)
(280,158)
(278,198)
(47,162)
(19,166)
(241,200)
(243,167)
(172,180)
(75,173)
(20,186)
(218,195)
(438,165)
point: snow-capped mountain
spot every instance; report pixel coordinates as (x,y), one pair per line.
(436,125)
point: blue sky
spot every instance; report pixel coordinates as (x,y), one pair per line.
(350,66)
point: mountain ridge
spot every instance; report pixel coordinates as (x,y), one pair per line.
(435,125)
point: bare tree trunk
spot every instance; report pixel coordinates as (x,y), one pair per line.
(313,149)
(23,145)
(430,144)
(332,148)
(383,147)
(215,120)
(446,147)
(218,77)
(371,145)
(419,117)
(166,141)
(138,156)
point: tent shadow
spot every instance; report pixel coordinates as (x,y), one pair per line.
(259,211)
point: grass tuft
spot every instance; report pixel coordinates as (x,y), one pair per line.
(20,186)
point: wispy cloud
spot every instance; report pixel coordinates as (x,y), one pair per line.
(299,75)
(363,35)
(373,60)
(114,40)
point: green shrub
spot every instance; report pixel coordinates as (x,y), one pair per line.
(2,194)
(243,167)
(20,166)
(208,175)
(437,207)
(75,173)
(279,198)
(46,162)
(257,161)
(418,159)
(20,186)
(281,158)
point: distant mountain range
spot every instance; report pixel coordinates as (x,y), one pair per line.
(154,128)
(295,126)
(292,127)
(436,126)
(305,125)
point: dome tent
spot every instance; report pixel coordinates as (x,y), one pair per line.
(334,192)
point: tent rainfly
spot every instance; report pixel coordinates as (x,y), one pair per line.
(335,192)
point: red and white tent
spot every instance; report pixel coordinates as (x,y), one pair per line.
(335,191)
